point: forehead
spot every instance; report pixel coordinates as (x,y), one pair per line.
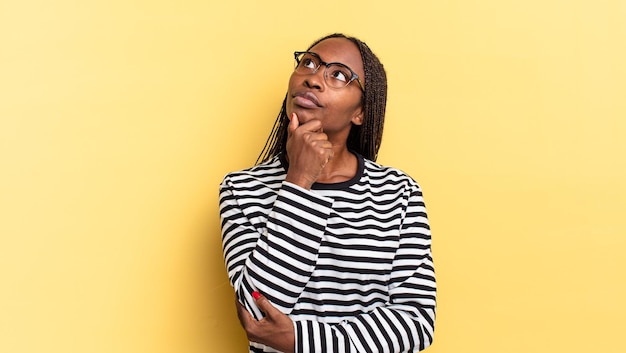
(340,50)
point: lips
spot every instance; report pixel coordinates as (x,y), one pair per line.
(306,100)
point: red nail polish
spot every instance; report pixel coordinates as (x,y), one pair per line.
(256,295)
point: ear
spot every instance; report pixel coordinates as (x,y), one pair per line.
(357,118)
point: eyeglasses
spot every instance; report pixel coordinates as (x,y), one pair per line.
(336,75)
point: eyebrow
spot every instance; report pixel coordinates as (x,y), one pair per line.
(332,62)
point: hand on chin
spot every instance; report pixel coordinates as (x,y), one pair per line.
(304,115)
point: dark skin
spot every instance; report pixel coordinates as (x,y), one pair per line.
(320,121)
(274,330)
(316,145)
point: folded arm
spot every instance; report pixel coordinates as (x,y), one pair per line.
(278,259)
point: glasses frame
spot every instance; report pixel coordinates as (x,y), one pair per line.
(354,76)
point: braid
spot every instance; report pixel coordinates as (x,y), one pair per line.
(364,139)
(277,141)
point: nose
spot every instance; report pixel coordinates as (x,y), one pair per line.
(316,80)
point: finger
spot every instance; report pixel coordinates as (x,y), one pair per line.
(312,125)
(244,316)
(293,123)
(264,304)
(319,136)
(248,323)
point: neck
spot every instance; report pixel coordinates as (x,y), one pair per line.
(342,167)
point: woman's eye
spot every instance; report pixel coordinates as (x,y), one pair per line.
(340,75)
(308,62)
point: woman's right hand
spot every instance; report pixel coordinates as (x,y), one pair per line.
(308,151)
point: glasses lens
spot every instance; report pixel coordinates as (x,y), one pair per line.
(307,63)
(335,75)
(338,75)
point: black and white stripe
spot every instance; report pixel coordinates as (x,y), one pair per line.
(350,262)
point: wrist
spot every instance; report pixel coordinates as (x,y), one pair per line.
(299,180)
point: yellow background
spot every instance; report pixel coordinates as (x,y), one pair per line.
(119,119)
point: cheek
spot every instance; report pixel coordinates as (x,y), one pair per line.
(348,103)
(294,81)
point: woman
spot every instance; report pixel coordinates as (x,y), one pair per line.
(328,251)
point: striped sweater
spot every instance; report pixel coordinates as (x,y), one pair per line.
(349,262)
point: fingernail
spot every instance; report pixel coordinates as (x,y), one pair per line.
(256,295)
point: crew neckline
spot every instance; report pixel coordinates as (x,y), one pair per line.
(333,186)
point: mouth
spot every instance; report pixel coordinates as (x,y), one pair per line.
(306,100)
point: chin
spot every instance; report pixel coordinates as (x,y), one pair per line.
(303,114)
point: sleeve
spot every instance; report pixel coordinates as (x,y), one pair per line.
(278,259)
(406,323)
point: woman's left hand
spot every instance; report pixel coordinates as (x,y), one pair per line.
(274,330)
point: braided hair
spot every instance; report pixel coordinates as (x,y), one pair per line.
(364,139)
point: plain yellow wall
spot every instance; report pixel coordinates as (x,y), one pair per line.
(118,120)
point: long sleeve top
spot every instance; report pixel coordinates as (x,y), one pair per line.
(349,262)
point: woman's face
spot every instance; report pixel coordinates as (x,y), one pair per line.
(310,97)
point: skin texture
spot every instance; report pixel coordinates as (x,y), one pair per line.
(274,330)
(320,121)
(316,144)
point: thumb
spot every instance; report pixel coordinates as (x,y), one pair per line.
(294,122)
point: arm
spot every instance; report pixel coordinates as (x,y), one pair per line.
(275,330)
(406,323)
(276,260)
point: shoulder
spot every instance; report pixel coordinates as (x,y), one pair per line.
(267,173)
(385,175)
